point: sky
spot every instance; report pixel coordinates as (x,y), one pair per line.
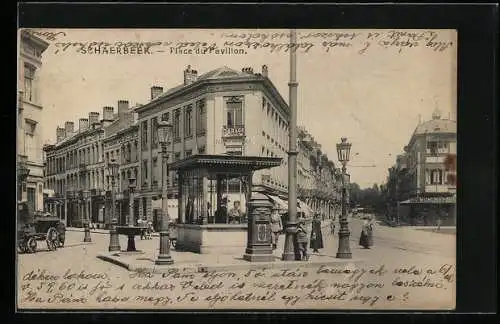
(374,98)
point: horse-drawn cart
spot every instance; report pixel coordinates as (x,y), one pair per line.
(33,227)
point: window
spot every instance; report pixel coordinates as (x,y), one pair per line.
(153,173)
(201,150)
(432,147)
(188,121)
(234,113)
(177,117)
(144,135)
(29,76)
(144,171)
(189,153)
(165,117)
(436,177)
(30,127)
(31,198)
(154,133)
(177,156)
(201,118)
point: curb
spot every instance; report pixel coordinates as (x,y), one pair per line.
(99,231)
(200,268)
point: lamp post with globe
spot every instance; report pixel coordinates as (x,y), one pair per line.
(164,133)
(344,250)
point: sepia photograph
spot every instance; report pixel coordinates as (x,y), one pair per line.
(236,169)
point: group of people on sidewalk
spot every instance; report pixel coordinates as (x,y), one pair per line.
(316,236)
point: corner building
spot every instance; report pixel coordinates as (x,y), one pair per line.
(29,128)
(223,111)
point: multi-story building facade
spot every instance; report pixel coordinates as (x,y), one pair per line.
(29,128)
(78,163)
(121,145)
(317,178)
(423,182)
(223,111)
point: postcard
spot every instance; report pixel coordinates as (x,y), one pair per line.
(178,169)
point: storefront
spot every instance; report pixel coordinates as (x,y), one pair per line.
(426,210)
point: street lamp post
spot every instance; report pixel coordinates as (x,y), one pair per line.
(291,224)
(85,196)
(114,240)
(344,250)
(131,188)
(164,132)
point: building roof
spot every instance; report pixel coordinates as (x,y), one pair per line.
(436,125)
(227,163)
(221,74)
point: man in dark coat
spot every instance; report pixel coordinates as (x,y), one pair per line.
(316,235)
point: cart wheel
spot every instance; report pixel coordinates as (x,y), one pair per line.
(52,239)
(21,247)
(31,245)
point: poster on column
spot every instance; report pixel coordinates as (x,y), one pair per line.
(368,97)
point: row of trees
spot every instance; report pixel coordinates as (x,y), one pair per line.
(372,198)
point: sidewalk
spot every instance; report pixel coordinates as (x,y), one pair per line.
(325,224)
(195,262)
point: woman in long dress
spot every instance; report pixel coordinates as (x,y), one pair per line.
(366,238)
(316,235)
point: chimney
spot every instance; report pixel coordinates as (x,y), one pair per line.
(107,113)
(190,75)
(93,119)
(83,124)
(264,71)
(60,134)
(156,92)
(70,127)
(122,108)
(247,70)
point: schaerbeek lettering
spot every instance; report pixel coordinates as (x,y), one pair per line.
(115,49)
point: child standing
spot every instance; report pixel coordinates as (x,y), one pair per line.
(301,237)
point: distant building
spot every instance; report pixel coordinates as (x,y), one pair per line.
(29,128)
(78,162)
(423,182)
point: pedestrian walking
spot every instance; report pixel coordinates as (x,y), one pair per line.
(332,227)
(366,238)
(438,221)
(301,238)
(316,235)
(276,226)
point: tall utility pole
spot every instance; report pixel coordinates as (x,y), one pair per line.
(291,225)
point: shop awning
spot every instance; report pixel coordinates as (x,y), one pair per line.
(305,208)
(429,200)
(280,203)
